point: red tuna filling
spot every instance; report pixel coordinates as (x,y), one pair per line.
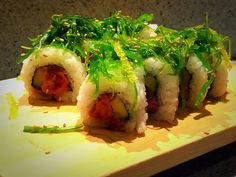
(102,112)
(55,81)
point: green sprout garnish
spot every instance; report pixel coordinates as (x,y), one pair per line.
(52,129)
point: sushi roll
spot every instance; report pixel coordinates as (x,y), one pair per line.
(161,81)
(206,66)
(53,65)
(162,87)
(199,76)
(119,104)
(53,73)
(203,83)
(121,70)
(113,96)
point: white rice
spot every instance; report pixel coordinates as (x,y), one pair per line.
(219,85)
(54,56)
(148,31)
(140,116)
(168,89)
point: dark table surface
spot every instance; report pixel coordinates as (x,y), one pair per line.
(217,163)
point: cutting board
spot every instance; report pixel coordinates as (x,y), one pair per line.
(98,152)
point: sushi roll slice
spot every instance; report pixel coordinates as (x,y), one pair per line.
(113,96)
(53,73)
(161,80)
(207,64)
(199,76)
(203,83)
(52,65)
(162,90)
(118,105)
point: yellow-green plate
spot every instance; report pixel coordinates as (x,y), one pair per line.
(94,152)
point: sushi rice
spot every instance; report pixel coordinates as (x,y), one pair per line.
(167,91)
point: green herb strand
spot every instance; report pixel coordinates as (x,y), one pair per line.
(203,90)
(52,129)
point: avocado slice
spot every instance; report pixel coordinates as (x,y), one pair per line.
(119,108)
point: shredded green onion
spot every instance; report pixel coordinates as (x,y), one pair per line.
(14,108)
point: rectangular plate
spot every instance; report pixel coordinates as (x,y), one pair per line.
(94,152)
